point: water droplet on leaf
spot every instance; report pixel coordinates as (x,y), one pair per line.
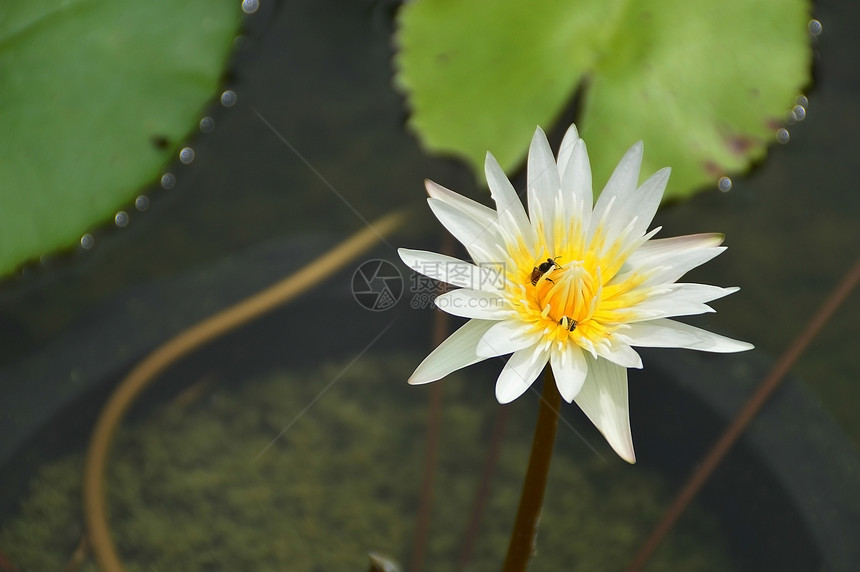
(814,28)
(186,155)
(228,98)
(207,125)
(799,112)
(168,181)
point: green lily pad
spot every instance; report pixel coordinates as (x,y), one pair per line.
(704,84)
(95,96)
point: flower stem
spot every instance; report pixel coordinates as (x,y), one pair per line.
(525,528)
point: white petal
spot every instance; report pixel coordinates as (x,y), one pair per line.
(453,271)
(661,248)
(692,292)
(665,260)
(624,229)
(468,303)
(479,238)
(458,351)
(666,308)
(571,137)
(472,208)
(675,267)
(576,188)
(643,203)
(543,184)
(619,353)
(622,184)
(508,204)
(672,334)
(569,368)
(520,372)
(507,336)
(603,399)
(679,300)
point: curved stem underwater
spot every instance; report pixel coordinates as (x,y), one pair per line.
(95,468)
(522,540)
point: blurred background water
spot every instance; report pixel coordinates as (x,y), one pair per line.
(313,146)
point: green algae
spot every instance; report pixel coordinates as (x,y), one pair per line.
(203,486)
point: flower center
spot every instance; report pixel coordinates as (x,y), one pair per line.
(568,294)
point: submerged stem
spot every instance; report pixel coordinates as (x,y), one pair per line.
(525,528)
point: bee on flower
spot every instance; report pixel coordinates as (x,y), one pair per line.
(582,283)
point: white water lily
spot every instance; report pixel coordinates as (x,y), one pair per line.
(568,284)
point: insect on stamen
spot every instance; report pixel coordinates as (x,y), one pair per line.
(542,269)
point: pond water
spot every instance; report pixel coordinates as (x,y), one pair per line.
(187,484)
